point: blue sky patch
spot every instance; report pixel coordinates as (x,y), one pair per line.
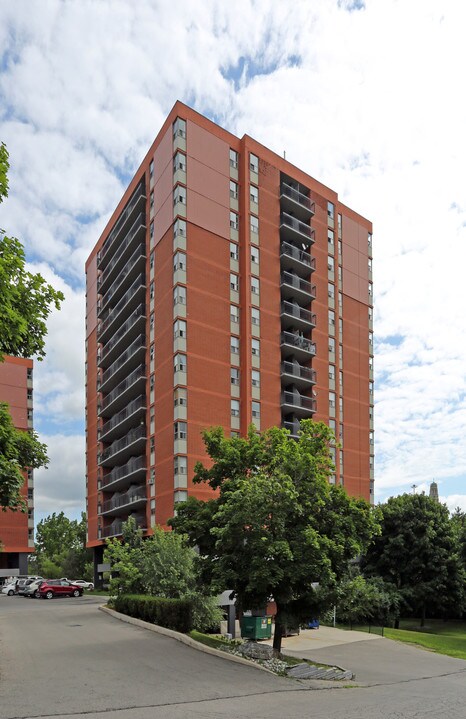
(248,68)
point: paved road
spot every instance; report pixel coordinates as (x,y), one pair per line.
(65,658)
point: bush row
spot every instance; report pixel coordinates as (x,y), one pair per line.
(174,614)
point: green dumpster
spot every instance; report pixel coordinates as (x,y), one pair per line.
(256,627)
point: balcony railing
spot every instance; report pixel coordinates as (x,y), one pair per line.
(138,195)
(298,401)
(297,370)
(299,197)
(116,527)
(111,314)
(139,343)
(135,375)
(299,229)
(138,254)
(133,436)
(128,498)
(299,313)
(135,464)
(130,409)
(292,427)
(298,255)
(301,343)
(128,324)
(298,284)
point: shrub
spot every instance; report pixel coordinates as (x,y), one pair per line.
(174,614)
(207,615)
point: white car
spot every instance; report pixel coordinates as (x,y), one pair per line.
(82,583)
(9,589)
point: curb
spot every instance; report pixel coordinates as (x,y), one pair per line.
(183,639)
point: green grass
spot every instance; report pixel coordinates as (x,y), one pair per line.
(437,636)
(214,642)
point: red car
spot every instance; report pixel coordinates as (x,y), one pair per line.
(58,588)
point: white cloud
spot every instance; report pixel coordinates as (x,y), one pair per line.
(372,109)
(61,487)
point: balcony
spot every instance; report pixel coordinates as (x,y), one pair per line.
(136,234)
(130,300)
(126,362)
(132,327)
(298,347)
(110,245)
(293,230)
(123,476)
(296,259)
(134,266)
(293,427)
(122,449)
(121,422)
(298,375)
(298,404)
(296,202)
(122,394)
(294,287)
(292,315)
(116,527)
(129,501)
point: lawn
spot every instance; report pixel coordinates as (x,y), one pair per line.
(438,636)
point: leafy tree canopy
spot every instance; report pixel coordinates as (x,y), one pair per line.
(277,527)
(61,548)
(18,451)
(417,552)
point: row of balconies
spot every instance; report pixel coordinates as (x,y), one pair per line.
(129,358)
(123,475)
(129,271)
(132,499)
(121,449)
(108,249)
(110,318)
(122,420)
(131,327)
(119,397)
(116,527)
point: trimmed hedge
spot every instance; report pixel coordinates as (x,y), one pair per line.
(174,614)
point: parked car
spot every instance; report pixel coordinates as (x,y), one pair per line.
(32,589)
(82,583)
(59,588)
(24,584)
(9,589)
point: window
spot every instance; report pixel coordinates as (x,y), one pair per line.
(339,224)
(254,285)
(331,291)
(369,264)
(256,378)
(179,195)
(152,382)
(253,163)
(234,375)
(233,220)
(180,496)
(179,329)
(235,408)
(30,493)
(369,243)
(340,326)
(331,211)
(180,465)
(233,190)
(341,380)
(331,344)
(29,372)
(371,437)
(29,394)
(234,345)
(370,313)
(331,371)
(180,398)
(371,390)
(179,162)
(371,363)
(179,228)
(371,339)
(333,425)
(152,260)
(340,353)
(151,230)
(234,313)
(254,194)
(255,316)
(179,128)
(332,400)
(233,158)
(256,410)
(151,290)
(151,169)
(254,222)
(330,264)
(256,347)
(152,199)
(340,275)
(152,353)
(255,254)
(331,318)
(180,430)
(331,241)
(179,261)
(179,295)
(179,362)
(370,289)
(234,282)
(234,251)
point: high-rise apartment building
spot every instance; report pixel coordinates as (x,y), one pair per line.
(17,528)
(228,288)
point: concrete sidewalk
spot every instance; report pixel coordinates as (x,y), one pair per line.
(310,639)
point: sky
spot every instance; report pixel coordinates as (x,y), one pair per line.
(364,95)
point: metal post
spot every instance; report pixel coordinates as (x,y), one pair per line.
(231,619)
(334,615)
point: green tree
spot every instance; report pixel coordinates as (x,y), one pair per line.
(26,301)
(18,451)
(360,600)
(61,547)
(277,527)
(459,528)
(417,553)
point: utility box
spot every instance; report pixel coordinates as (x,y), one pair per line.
(256,627)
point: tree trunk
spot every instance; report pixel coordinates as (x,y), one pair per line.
(423,614)
(397,623)
(278,634)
